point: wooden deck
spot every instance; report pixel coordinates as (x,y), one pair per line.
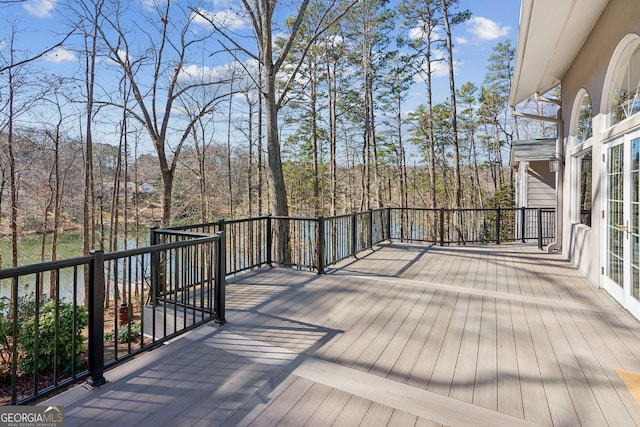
(407,335)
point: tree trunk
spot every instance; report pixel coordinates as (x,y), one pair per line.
(457,189)
(259,145)
(13,174)
(317,209)
(229,173)
(333,137)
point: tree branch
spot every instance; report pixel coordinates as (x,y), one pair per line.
(40,55)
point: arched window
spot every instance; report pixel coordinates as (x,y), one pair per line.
(583,122)
(624,95)
(581,131)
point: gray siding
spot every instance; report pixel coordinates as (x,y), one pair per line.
(541,189)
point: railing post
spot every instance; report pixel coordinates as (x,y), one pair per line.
(219,278)
(498,221)
(388,224)
(441,226)
(155,263)
(222,228)
(539,212)
(269,241)
(523,228)
(370,236)
(354,234)
(96,320)
(321,245)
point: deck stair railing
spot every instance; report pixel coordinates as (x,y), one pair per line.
(52,333)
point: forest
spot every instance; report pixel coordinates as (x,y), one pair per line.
(174,114)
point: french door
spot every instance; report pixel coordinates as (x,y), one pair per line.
(622,248)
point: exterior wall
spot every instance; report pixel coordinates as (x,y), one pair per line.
(581,244)
(541,188)
(535,185)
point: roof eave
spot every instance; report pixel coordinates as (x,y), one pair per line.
(550,35)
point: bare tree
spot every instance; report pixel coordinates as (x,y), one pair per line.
(166,54)
(260,14)
(15,72)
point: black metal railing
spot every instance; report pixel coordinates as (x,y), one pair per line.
(55,330)
(316,243)
(468,226)
(139,298)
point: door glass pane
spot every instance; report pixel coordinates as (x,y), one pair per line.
(615,230)
(635,218)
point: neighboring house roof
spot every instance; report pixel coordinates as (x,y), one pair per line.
(530,150)
(550,36)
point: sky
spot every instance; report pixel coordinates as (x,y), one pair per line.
(40,23)
(492,21)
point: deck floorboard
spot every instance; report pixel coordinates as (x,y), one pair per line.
(404,335)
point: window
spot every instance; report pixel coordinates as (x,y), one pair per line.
(584,129)
(625,101)
(584,168)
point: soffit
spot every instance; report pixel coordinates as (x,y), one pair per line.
(550,35)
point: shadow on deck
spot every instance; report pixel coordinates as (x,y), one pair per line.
(405,335)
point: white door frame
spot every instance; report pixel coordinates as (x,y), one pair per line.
(622,225)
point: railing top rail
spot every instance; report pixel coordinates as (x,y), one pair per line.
(338,216)
(296,218)
(208,238)
(182,233)
(239,220)
(9,272)
(218,222)
(22,270)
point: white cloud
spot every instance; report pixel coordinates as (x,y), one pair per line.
(40,8)
(462,40)
(415,33)
(195,72)
(124,56)
(486,29)
(419,33)
(60,54)
(224,18)
(439,66)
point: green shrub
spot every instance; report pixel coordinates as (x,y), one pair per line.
(47,337)
(126,333)
(26,306)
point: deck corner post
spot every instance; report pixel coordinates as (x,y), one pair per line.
(269,241)
(220,279)
(354,234)
(441,226)
(321,245)
(370,235)
(96,320)
(498,221)
(388,224)
(539,212)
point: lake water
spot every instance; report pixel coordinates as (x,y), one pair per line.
(69,246)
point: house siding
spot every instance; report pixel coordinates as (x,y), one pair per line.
(541,184)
